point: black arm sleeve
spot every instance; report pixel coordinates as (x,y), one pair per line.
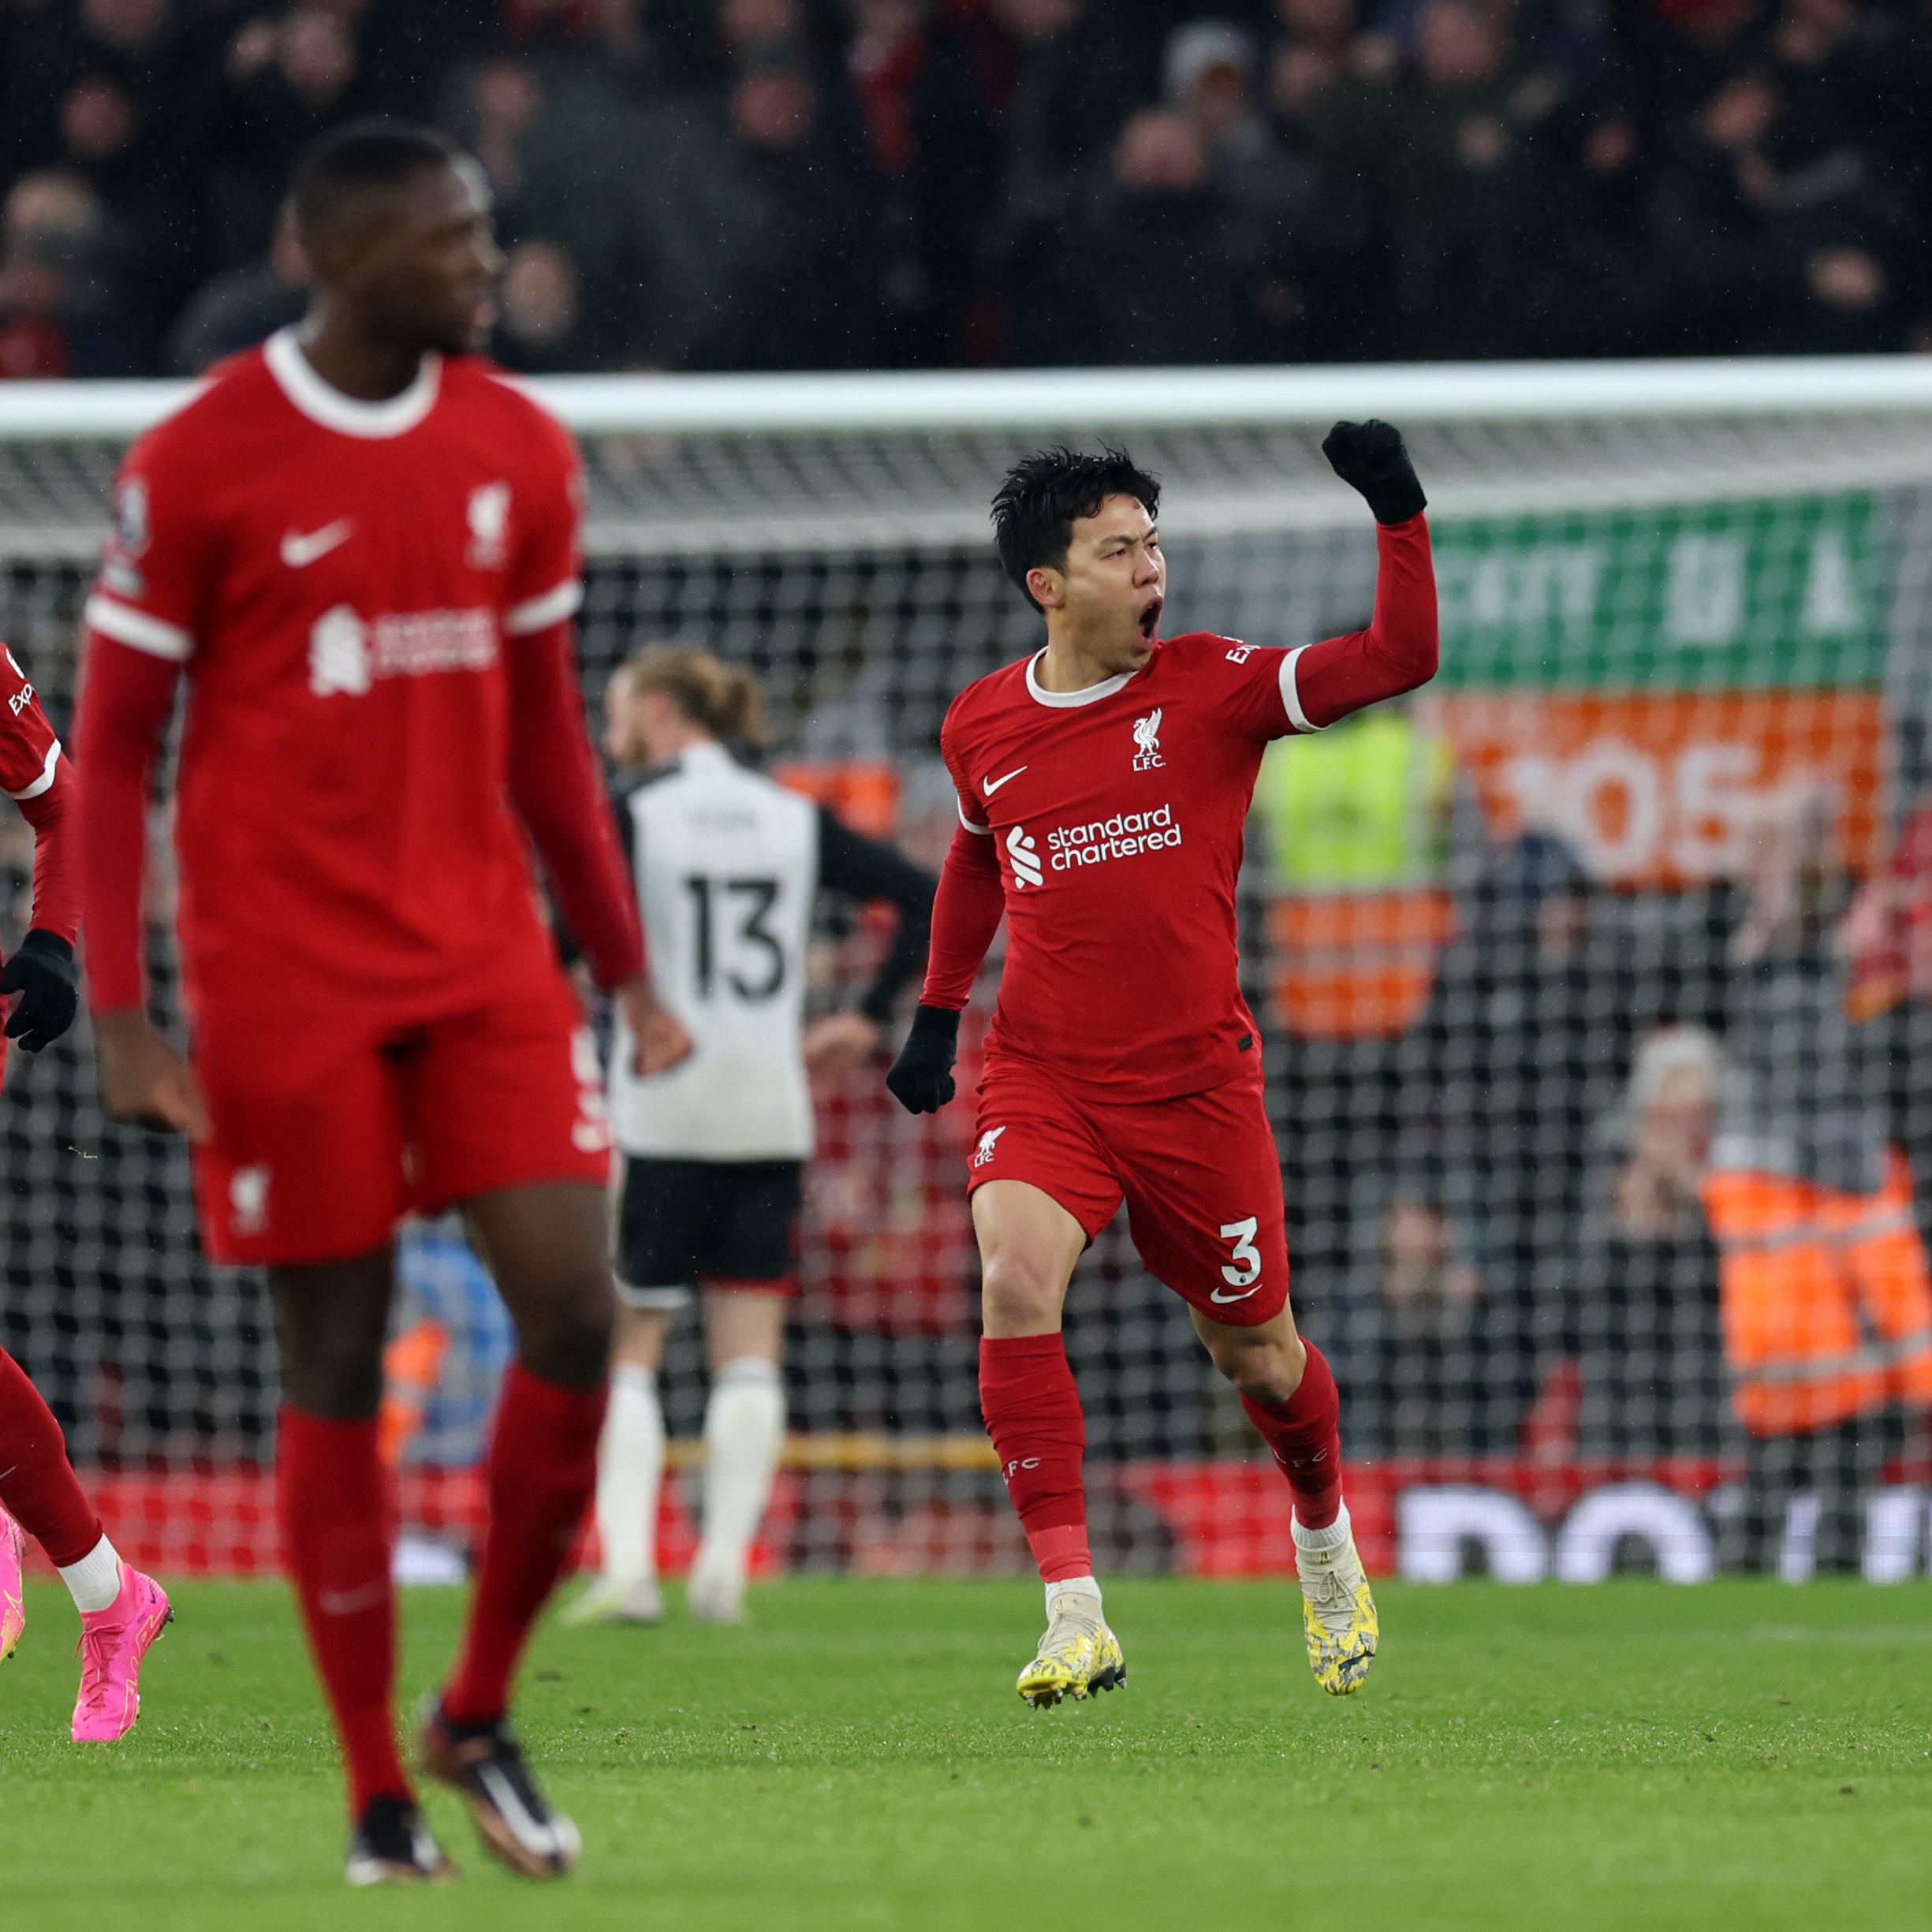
(569,952)
(867,869)
(627,828)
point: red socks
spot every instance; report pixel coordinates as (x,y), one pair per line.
(1305,1434)
(332,1495)
(1032,1412)
(37,1483)
(542,1471)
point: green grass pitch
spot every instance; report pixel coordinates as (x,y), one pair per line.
(1740,1755)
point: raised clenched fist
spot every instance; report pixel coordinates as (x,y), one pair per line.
(1371,457)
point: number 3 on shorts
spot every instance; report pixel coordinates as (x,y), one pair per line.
(1244,1255)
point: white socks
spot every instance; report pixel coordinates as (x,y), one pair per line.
(1070,1586)
(1333,1538)
(743,1435)
(630,1469)
(95,1581)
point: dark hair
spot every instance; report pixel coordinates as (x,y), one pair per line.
(362,155)
(1046,493)
(723,699)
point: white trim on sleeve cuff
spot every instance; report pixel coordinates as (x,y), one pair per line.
(46,779)
(1290,693)
(126,626)
(984,831)
(539,614)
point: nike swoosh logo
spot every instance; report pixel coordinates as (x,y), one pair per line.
(1215,1294)
(990,785)
(298,552)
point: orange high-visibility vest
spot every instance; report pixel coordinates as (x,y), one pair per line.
(1827,1298)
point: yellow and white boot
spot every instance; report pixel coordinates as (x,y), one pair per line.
(1079,1653)
(1338,1613)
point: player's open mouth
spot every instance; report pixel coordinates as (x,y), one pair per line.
(1150,618)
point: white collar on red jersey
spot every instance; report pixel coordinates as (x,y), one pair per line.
(1087,695)
(322,403)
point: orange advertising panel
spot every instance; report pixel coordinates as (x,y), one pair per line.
(864,791)
(1352,965)
(1667,790)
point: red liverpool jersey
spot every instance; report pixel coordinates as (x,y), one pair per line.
(30,754)
(34,774)
(1107,824)
(1116,813)
(341,582)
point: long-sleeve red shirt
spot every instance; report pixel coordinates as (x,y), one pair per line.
(1106,826)
(34,773)
(128,697)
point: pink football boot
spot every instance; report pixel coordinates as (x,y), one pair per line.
(12,1588)
(113,1642)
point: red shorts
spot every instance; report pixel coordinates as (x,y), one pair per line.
(1200,1176)
(326,1133)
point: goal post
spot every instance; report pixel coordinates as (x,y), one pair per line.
(1686,613)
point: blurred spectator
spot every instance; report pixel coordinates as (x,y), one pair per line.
(1888,931)
(288,78)
(1641,1323)
(1432,1367)
(243,306)
(1155,266)
(541,327)
(59,316)
(1827,1298)
(794,283)
(114,90)
(1455,127)
(1887,939)
(1498,1087)
(1770,221)
(1074,85)
(1585,280)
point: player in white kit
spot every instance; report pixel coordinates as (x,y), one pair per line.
(728,866)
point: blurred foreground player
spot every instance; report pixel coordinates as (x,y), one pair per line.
(728,866)
(121,1611)
(358,549)
(1103,784)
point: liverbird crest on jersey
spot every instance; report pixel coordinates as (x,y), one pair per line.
(988,1144)
(489,525)
(1147,741)
(338,653)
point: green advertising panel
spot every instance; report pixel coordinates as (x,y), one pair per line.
(1785,592)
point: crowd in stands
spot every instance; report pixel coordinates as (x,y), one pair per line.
(721,184)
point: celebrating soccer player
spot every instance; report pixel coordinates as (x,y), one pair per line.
(358,547)
(1103,783)
(729,866)
(121,1611)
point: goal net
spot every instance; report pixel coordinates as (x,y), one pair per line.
(1592,979)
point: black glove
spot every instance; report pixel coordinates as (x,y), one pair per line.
(921,1079)
(1372,458)
(42,973)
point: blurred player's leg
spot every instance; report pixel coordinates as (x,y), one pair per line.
(1028,1245)
(333,1502)
(744,1437)
(1289,1393)
(121,1611)
(630,1473)
(545,1244)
